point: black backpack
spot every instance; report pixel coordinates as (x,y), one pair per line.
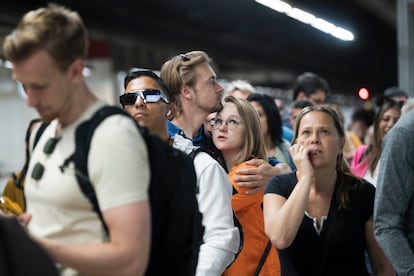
(19,254)
(177,230)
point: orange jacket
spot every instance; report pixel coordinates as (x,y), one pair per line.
(249,211)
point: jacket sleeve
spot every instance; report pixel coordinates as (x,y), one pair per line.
(393,208)
(221,237)
(241,200)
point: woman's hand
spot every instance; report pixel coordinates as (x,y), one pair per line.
(300,156)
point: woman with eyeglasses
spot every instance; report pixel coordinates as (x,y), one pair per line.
(236,133)
(366,158)
(147,100)
(320,216)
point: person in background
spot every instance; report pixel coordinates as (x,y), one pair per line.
(394,198)
(243,89)
(296,108)
(196,93)
(396,94)
(48,49)
(280,103)
(366,159)
(311,87)
(320,217)
(271,126)
(221,237)
(361,120)
(235,131)
(207,123)
(239,89)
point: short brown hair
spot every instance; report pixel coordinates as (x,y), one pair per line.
(55,29)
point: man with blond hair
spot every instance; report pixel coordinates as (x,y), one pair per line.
(48,51)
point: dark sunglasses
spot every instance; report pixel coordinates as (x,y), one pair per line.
(49,147)
(148,95)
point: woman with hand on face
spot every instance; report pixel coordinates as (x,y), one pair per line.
(236,133)
(320,217)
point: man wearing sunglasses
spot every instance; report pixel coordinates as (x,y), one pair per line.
(196,93)
(147,100)
(48,51)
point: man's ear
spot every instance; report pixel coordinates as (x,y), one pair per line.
(76,70)
(186,92)
(171,109)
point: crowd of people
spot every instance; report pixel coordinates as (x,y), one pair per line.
(303,196)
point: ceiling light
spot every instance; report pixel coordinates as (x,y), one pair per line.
(308,18)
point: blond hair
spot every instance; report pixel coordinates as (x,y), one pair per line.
(180,70)
(55,29)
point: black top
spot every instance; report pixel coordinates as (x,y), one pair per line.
(346,245)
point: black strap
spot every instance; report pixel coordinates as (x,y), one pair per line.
(39,133)
(18,180)
(263,258)
(83,137)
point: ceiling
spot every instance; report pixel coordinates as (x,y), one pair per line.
(245,39)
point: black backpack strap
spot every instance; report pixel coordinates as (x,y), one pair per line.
(83,137)
(18,180)
(39,133)
(263,258)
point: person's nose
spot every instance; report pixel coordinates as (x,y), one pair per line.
(32,99)
(315,139)
(223,126)
(219,88)
(139,102)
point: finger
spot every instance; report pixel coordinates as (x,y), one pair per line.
(246,172)
(253,190)
(248,177)
(24,219)
(247,184)
(254,162)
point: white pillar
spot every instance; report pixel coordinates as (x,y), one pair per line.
(405,38)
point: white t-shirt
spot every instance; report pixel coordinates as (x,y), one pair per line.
(118,168)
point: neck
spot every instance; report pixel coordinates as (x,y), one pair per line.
(325,181)
(189,123)
(269,145)
(78,102)
(162,132)
(230,158)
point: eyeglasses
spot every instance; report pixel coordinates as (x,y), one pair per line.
(38,168)
(231,123)
(148,95)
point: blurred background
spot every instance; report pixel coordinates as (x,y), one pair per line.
(246,39)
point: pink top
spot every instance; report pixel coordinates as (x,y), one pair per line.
(359,168)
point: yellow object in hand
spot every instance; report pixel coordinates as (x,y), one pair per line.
(9,206)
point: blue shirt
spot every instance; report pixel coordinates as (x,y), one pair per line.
(198,140)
